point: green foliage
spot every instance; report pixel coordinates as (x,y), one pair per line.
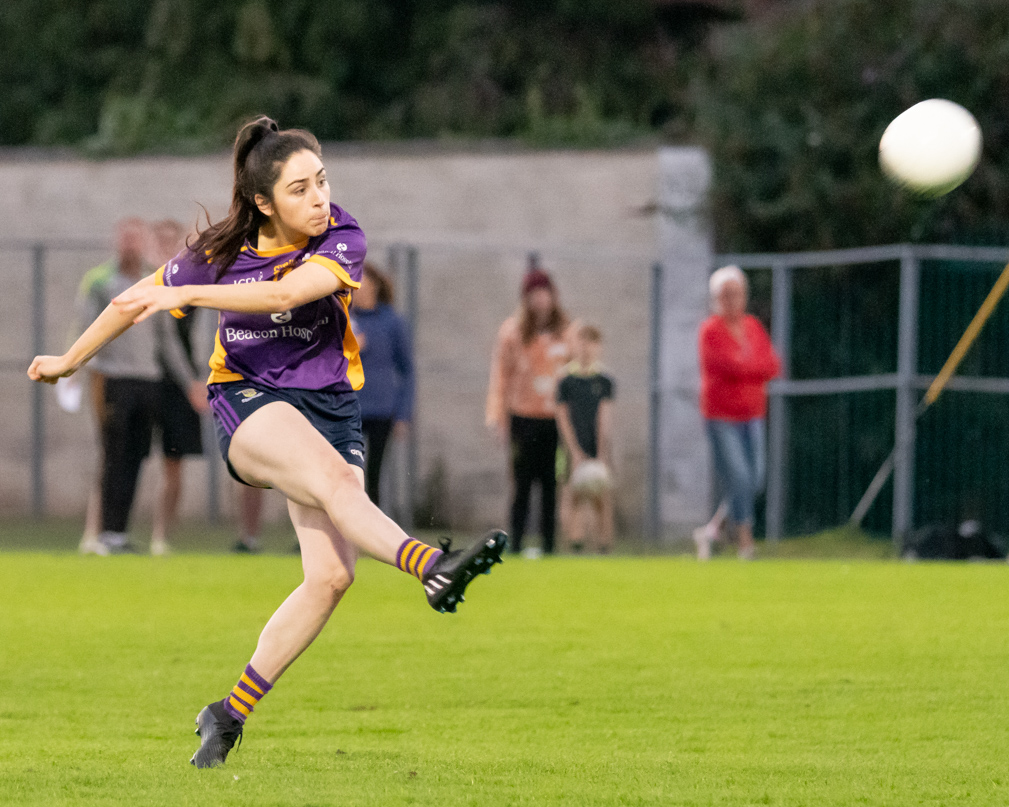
(791,683)
(792,107)
(122,76)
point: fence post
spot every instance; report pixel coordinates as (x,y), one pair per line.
(777,459)
(412,308)
(907,365)
(38,390)
(401,476)
(653,515)
(393,481)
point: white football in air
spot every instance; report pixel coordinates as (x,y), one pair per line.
(931,147)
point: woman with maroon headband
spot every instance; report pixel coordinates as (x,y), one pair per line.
(533,346)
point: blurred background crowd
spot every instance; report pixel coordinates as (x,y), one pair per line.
(606,136)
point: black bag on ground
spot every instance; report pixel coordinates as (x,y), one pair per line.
(949,542)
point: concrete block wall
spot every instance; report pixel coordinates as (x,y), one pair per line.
(472,215)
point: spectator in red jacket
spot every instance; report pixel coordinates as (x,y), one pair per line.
(737,361)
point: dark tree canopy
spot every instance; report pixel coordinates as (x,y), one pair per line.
(134,75)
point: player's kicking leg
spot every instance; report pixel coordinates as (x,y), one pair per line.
(319,477)
(333,517)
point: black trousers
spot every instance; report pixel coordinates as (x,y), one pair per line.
(534,459)
(131,411)
(376,436)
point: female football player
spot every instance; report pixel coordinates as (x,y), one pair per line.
(280,268)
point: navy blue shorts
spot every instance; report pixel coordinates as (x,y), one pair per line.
(335,415)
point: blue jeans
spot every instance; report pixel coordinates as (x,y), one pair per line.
(740,463)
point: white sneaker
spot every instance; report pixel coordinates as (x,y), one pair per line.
(90,545)
(159,547)
(117,543)
(704,537)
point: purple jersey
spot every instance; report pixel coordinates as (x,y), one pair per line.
(308,347)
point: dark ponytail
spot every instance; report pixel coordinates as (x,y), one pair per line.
(261,151)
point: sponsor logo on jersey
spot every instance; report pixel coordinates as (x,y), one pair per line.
(283,332)
(281,318)
(341,257)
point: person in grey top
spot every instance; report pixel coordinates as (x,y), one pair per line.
(129,374)
(183,393)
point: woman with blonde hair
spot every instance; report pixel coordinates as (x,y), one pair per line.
(737,360)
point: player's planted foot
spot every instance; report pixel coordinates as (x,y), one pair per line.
(446,580)
(219,732)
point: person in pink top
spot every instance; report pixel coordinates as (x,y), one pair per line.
(532,348)
(737,360)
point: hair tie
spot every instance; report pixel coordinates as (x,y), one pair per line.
(258,131)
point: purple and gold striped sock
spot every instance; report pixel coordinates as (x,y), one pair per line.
(415,557)
(246,694)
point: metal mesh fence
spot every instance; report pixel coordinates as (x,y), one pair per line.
(863,333)
(835,445)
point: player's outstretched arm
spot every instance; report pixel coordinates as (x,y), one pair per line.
(110,323)
(309,282)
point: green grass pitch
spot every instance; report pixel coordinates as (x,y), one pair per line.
(622,681)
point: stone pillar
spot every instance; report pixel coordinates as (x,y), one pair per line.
(685,251)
